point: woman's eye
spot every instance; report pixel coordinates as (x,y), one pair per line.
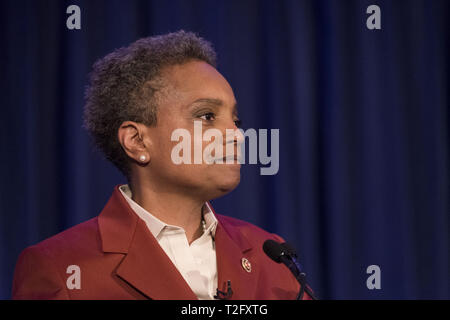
(208,116)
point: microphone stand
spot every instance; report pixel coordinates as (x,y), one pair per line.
(290,261)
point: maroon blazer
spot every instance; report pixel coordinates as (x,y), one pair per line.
(120,259)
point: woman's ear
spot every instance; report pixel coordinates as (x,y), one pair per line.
(135,141)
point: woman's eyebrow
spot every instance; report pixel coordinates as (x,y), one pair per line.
(214,102)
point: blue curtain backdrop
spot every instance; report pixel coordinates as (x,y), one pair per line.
(363,118)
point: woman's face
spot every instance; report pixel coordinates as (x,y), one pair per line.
(196,92)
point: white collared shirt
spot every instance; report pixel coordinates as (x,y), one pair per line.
(196,262)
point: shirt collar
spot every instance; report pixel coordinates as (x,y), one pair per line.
(210,219)
(156,226)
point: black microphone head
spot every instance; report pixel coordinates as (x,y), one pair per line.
(273,250)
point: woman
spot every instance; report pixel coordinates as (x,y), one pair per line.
(158,236)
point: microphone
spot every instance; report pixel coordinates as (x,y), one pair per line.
(224,295)
(284,253)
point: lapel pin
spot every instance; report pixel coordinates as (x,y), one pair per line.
(246,265)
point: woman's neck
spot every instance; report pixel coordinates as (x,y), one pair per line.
(171,207)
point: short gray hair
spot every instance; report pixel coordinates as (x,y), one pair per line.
(123,85)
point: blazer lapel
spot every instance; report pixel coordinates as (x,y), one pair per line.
(231,249)
(149,269)
(145,266)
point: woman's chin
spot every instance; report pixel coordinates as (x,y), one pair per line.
(229,183)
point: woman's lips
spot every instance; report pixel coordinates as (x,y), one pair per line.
(231,159)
